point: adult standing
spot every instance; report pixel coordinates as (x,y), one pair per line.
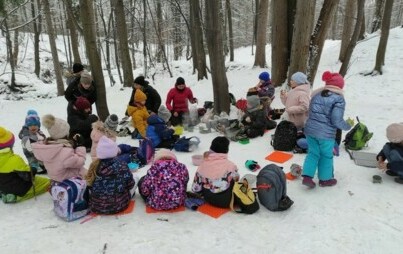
(153,101)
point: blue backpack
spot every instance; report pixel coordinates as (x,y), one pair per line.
(68,198)
(145,152)
(187,144)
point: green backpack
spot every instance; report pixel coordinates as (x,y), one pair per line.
(357,137)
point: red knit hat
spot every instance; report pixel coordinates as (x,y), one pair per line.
(82,103)
(333,79)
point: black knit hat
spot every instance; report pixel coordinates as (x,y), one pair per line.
(77,67)
(220,145)
(141,81)
(180,81)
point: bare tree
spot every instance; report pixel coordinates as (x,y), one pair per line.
(90,38)
(217,58)
(73,31)
(279,42)
(196,38)
(319,35)
(348,24)
(354,38)
(123,43)
(37,27)
(301,36)
(380,53)
(262,15)
(53,48)
(230,30)
(377,18)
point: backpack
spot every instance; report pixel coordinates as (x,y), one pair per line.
(68,198)
(186,144)
(357,137)
(272,188)
(244,198)
(285,136)
(145,152)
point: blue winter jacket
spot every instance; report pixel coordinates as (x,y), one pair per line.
(326,115)
(157,130)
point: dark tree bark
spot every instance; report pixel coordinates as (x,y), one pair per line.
(262,15)
(73,32)
(196,35)
(377,19)
(230,30)
(348,24)
(37,32)
(354,38)
(217,58)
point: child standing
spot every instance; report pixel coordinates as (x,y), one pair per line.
(326,114)
(139,112)
(17,182)
(63,158)
(216,176)
(110,180)
(390,158)
(164,186)
(31,133)
(177,102)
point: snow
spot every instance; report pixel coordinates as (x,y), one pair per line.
(355,216)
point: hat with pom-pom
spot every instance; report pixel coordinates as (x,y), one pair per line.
(394,132)
(32,119)
(220,145)
(6,138)
(57,128)
(333,79)
(111,122)
(265,76)
(107,148)
(164,154)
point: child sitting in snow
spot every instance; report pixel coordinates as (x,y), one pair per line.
(139,113)
(100,129)
(390,158)
(17,182)
(62,157)
(254,120)
(216,175)
(31,133)
(159,133)
(164,186)
(110,180)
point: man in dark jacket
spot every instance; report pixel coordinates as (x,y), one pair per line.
(153,101)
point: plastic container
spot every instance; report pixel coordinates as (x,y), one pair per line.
(197,159)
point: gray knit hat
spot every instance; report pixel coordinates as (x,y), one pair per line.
(300,78)
(164,113)
(111,122)
(85,78)
(394,132)
(253,101)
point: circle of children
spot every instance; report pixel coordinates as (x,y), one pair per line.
(109,184)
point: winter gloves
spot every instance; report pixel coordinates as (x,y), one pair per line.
(350,121)
(252,165)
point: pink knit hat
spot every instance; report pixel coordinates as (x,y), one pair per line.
(333,79)
(394,132)
(107,148)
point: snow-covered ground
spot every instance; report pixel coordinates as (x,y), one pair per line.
(355,216)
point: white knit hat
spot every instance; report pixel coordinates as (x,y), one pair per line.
(107,148)
(394,132)
(57,128)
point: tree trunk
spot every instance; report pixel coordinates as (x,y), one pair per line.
(217,58)
(377,19)
(37,31)
(145,67)
(88,21)
(291,13)
(230,31)
(10,55)
(197,40)
(334,34)
(279,42)
(53,48)
(383,41)
(158,30)
(348,24)
(177,34)
(361,36)
(262,15)
(123,43)
(318,36)
(73,33)
(301,36)
(354,37)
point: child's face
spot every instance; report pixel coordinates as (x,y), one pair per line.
(86,86)
(142,103)
(33,128)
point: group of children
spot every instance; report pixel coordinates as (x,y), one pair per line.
(111,184)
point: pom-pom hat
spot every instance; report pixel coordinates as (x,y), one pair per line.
(333,79)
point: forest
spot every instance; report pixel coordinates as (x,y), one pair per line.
(127,35)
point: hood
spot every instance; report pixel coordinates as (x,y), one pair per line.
(155,119)
(47,152)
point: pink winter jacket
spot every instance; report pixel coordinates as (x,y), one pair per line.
(177,100)
(296,104)
(215,173)
(97,132)
(60,159)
